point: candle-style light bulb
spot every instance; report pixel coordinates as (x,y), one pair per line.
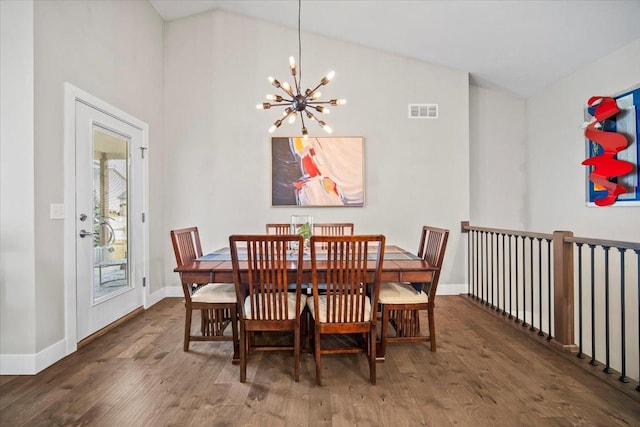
(326,79)
(287,88)
(275,126)
(274,82)
(292,65)
(272,97)
(325,126)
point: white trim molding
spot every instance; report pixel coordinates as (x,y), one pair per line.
(31,364)
(71,95)
(451,289)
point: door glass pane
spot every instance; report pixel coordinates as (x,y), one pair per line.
(110,195)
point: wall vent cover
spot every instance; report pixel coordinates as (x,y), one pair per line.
(423,111)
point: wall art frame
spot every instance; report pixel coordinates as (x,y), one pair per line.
(317,171)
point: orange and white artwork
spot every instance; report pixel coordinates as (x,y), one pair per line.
(317,171)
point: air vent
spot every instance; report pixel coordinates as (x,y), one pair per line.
(423,111)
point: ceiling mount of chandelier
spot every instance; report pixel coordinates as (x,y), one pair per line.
(297,102)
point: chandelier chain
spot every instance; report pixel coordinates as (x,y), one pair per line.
(299,46)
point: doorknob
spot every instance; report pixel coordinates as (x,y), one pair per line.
(84,233)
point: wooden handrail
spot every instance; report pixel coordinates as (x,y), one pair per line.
(466,228)
(606,243)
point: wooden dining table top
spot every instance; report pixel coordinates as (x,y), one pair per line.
(399,265)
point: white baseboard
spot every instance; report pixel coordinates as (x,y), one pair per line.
(157,296)
(451,289)
(31,364)
(173,291)
(154,298)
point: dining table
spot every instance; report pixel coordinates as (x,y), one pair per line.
(399,265)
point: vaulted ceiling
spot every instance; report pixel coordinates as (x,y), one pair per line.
(515,46)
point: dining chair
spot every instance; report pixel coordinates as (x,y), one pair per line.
(334,229)
(216,301)
(347,306)
(262,274)
(401,302)
(278,229)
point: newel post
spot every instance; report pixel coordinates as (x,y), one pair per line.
(563,301)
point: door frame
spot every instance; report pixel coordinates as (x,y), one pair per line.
(72,95)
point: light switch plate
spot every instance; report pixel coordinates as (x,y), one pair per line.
(56,211)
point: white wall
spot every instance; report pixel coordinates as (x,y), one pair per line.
(17,242)
(556,148)
(218,166)
(498,164)
(113,50)
(556,189)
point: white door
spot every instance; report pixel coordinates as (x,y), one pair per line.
(108,222)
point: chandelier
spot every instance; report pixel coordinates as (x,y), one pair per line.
(296,102)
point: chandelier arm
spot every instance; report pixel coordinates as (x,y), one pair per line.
(281,105)
(287,91)
(313,117)
(288,114)
(315,89)
(318,102)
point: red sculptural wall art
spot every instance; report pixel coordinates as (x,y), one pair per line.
(613,150)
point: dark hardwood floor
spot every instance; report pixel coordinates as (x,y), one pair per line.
(484,373)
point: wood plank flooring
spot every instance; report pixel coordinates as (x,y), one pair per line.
(484,373)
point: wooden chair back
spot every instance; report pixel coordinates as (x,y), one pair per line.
(433,243)
(186,245)
(278,229)
(349,271)
(334,229)
(267,275)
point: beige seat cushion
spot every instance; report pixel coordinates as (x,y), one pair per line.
(322,303)
(215,292)
(401,293)
(291,306)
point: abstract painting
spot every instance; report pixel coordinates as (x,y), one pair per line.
(317,171)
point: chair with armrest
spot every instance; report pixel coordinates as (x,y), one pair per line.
(262,275)
(402,302)
(217,301)
(347,306)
